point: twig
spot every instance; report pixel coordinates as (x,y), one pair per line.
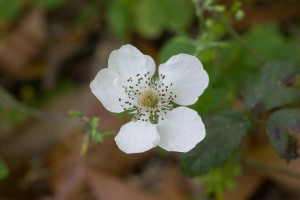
(5,96)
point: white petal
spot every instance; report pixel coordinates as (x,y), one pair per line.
(128,61)
(188,77)
(105,88)
(181,130)
(137,137)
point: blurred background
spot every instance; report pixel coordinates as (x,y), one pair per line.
(50,50)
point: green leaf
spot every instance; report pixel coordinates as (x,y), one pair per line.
(3,170)
(224,132)
(96,136)
(94,122)
(275,47)
(282,123)
(217,180)
(119,19)
(148,16)
(175,46)
(75,113)
(273,87)
(178,14)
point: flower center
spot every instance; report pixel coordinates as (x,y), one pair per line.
(149,99)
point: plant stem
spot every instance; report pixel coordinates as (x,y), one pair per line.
(8,98)
(85,144)
(199,14)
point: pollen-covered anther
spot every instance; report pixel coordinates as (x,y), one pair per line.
(149,99)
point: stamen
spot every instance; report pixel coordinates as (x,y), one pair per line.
(148,97)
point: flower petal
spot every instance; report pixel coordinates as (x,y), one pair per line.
(137,137)
(105,88)
(188,77)
(128,61)
(181,130)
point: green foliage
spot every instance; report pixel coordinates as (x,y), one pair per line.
(86,14)
(224,132)
(9,9)
(90,125)
(181,44)
(283,124)
(149,22)
(4,171)
(91,129)
(50,5)
(272,87)
(178,14)
(11,116)
(270,44)
(119,16)
(219,179)
(75,113)
(150,18)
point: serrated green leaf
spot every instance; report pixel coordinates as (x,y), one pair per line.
(273,87)
(224,132)
(3,170)
(281,123)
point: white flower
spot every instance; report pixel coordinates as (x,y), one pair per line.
(128,84)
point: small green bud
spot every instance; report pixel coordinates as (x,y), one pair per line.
(219,8)
(209,22)
(153,118)
(239,15)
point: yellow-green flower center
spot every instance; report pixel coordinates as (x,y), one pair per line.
(149,99)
